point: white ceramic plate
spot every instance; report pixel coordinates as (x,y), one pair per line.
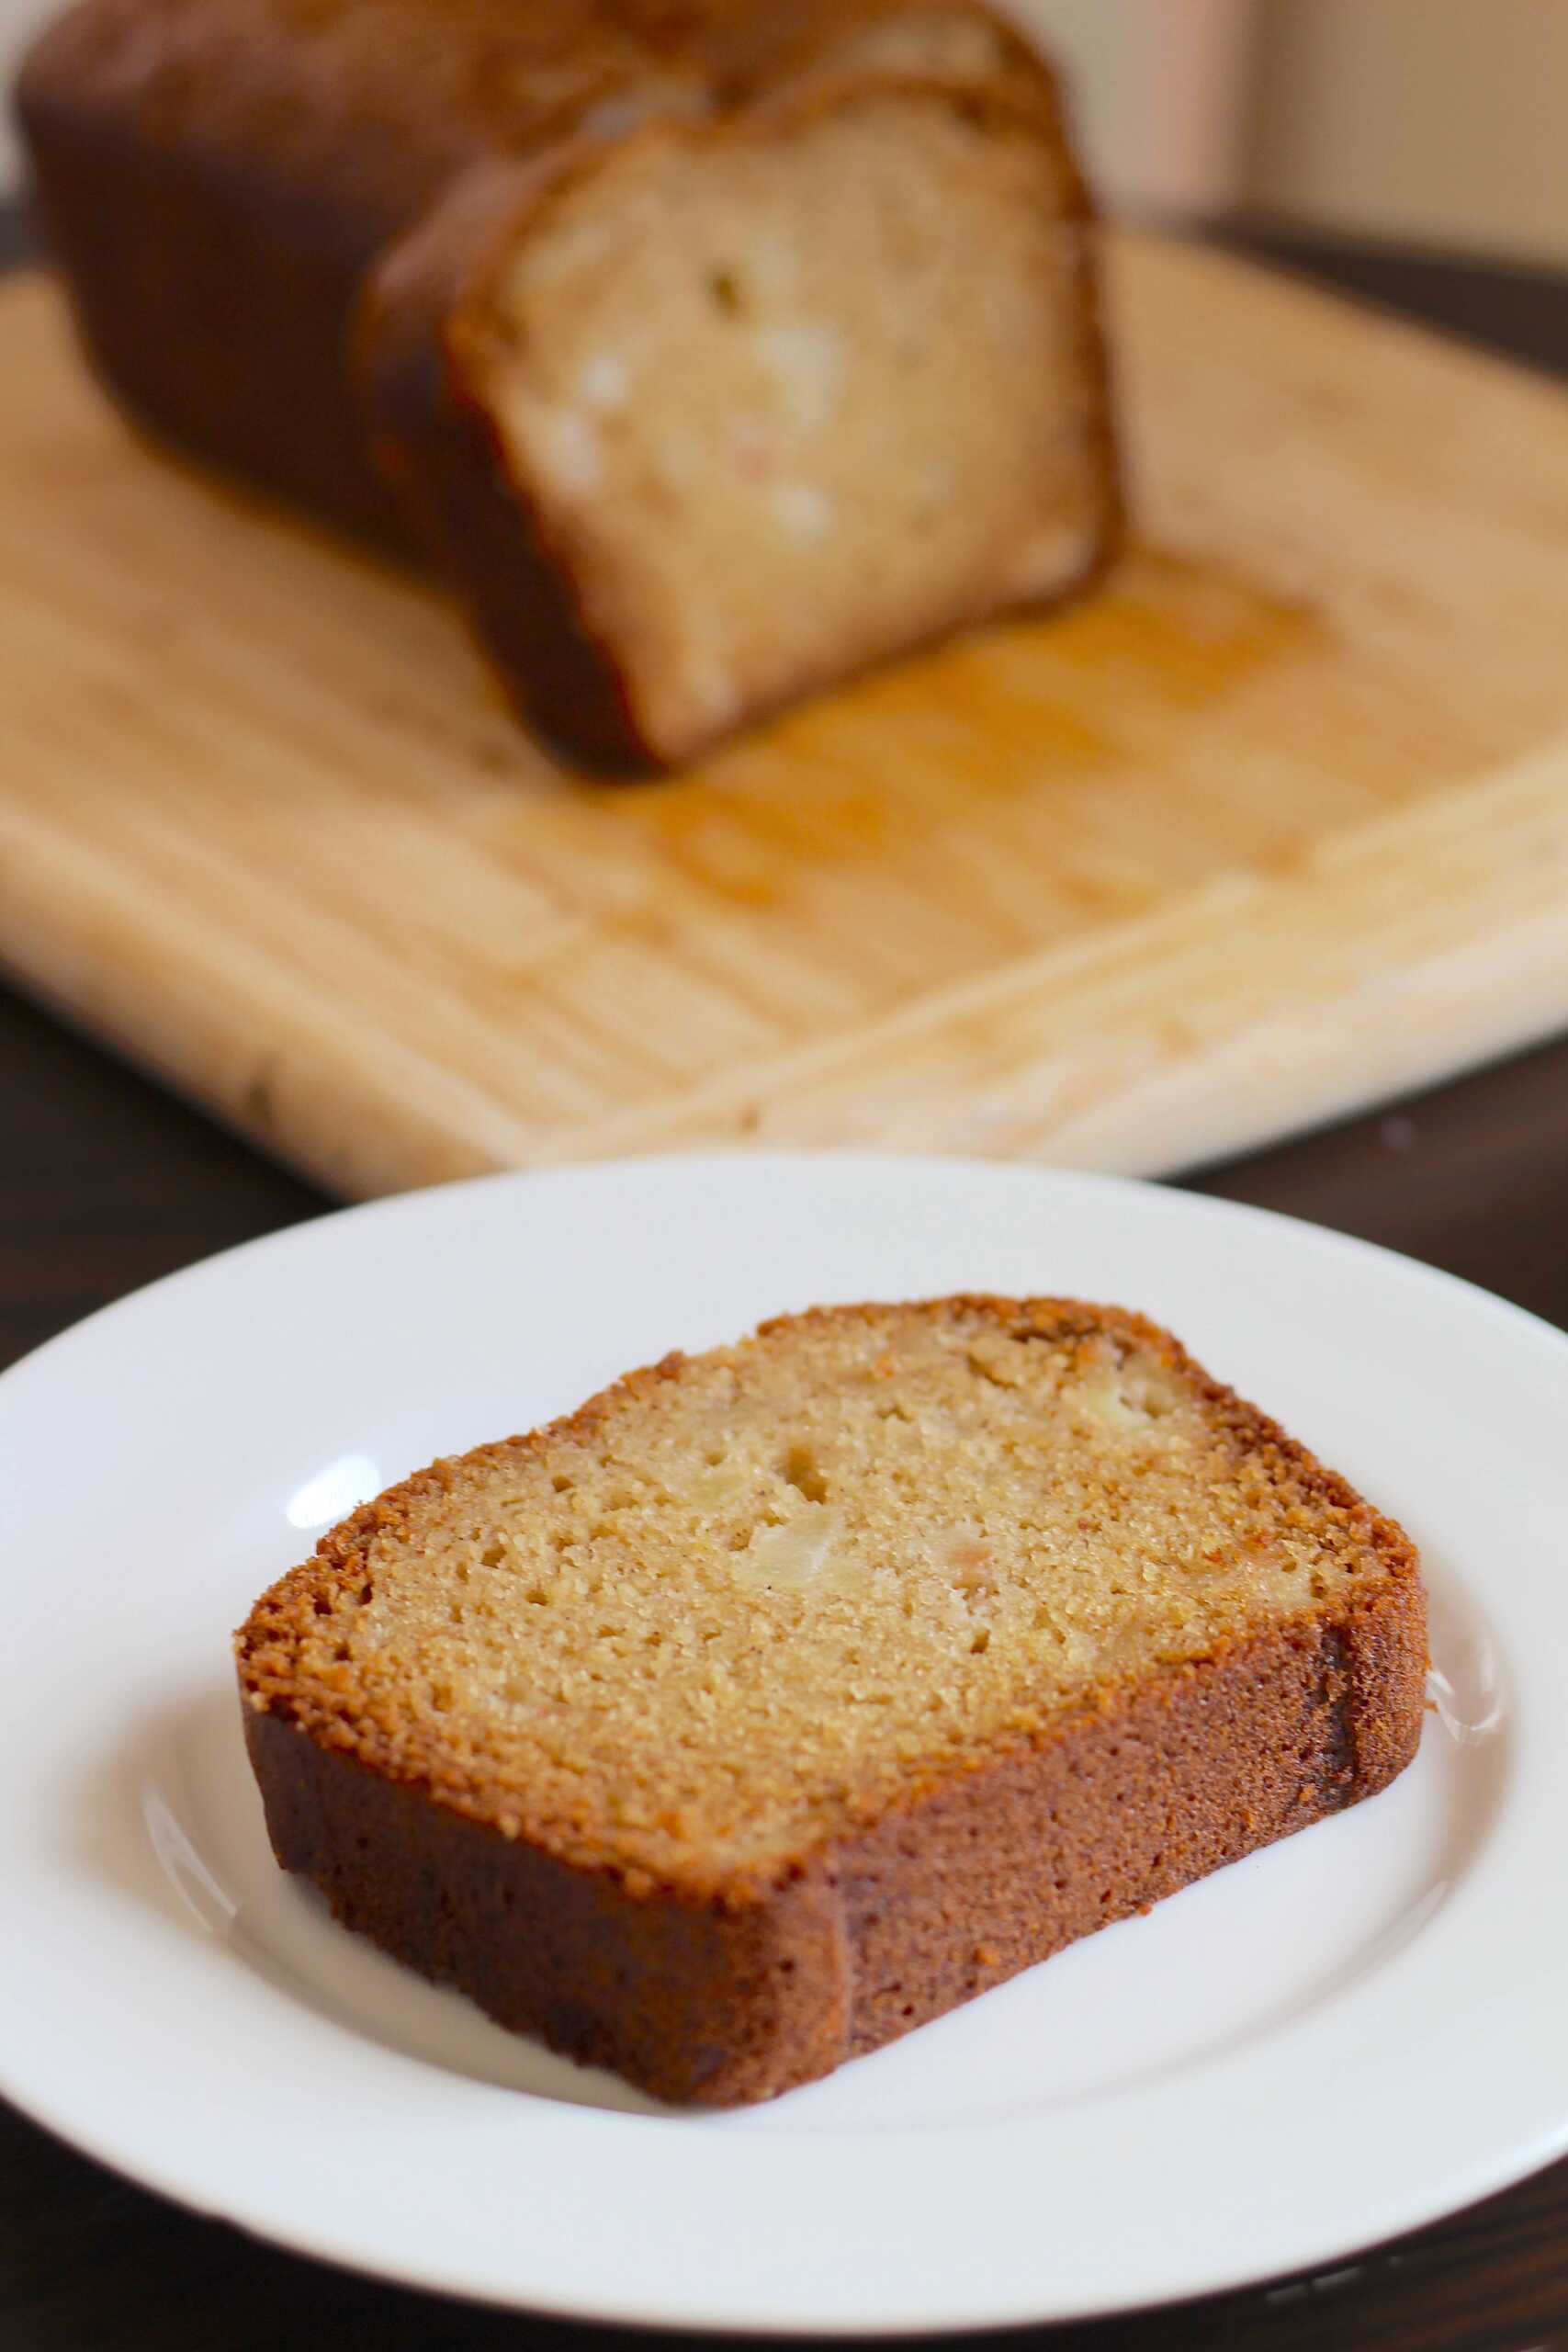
(1326,2045)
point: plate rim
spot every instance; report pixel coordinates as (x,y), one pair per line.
(424,2273)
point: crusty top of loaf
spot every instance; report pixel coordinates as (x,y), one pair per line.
(741,1603)
(376,104)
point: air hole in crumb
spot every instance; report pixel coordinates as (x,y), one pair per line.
(724,287)
(981,1642)
(538,1595)
(801,1472)
(561,1483)
(367,1595)
(321,1605)
(490,1557)
(713,1455)
(342,1652)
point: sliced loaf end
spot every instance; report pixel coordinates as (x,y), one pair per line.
(772,399)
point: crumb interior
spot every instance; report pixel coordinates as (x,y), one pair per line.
(795,395)
(722,1613)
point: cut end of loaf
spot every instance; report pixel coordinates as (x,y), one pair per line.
(787,396)
(745,1604)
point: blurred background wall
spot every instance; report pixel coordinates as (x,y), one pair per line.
(1161,94)
(1441,122)
(1434,123)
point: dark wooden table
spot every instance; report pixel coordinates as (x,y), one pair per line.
(105,1184)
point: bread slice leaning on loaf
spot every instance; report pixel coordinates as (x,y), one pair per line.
(783,1697)
(716,350)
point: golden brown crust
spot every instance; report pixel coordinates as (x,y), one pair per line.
(737,1982)
(1137,1798)
(719,2002)
(696,2000)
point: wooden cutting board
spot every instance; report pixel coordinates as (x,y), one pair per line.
(1276,824)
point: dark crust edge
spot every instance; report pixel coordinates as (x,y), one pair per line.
(701,2002)
(420,325)
(693,2001)
(209,302)
(731,1993)
(438,451)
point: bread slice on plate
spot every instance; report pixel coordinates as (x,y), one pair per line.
(783,1697)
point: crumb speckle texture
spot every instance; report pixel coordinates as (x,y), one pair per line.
(822,318)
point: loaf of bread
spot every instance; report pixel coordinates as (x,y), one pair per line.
(784,1697)
(717,349)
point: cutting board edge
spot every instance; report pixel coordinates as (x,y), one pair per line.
(1256,1063)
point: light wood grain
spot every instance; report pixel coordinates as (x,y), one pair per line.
(1274,824)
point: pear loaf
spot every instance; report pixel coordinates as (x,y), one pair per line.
(783,1697)
(716,347)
